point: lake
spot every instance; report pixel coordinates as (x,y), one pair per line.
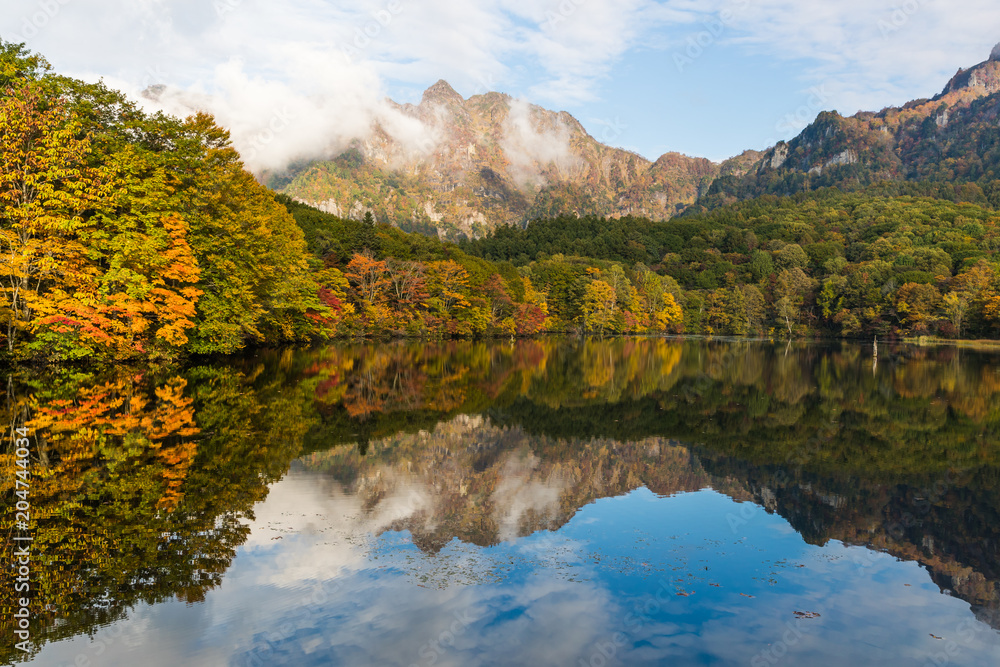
(538,502)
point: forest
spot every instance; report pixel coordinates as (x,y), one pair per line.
(126,235)
(827,263)
(145,480)
(129,236)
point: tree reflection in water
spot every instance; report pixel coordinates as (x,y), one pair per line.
(143,481)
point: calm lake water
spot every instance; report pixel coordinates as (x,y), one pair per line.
(548,502)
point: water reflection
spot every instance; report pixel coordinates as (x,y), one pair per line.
(508,494)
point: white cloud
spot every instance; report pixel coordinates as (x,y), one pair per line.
(532,144)
(865,53)
(274,122)
(518,492)
(326,65)
(301,78)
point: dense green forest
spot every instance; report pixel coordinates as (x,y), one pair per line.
(823,263)
(128,235)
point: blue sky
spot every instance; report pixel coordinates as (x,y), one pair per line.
(342,590)
(708,77)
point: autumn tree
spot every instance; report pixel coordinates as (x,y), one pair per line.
(337,317)
(977,286)
(791,289)
(95,260)
(368,278)
(409,284)
(130,235)
(501,305)
(753,307)
(600,305)
(531,316)
(448,283)
(46,188)
(916,305)
(254,275)
(658,303)
(955,307)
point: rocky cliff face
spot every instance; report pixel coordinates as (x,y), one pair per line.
(466,165)
(950,138)
(483,484)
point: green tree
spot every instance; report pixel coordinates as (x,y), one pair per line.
(956,306)
(761,265)
(792,256)
(600,304)
(753,307)
(791,290)
(916,305)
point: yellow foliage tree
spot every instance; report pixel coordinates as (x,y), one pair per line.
(600,303)
(45,189)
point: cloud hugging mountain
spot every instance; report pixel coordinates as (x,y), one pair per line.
(467,165)
(458,167)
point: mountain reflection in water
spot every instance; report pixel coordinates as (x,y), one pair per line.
(525,501)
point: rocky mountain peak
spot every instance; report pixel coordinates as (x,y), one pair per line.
(493,160)
(983,79)
(442,92)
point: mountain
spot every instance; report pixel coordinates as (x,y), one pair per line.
(490,160)
(480,483)
(950,138)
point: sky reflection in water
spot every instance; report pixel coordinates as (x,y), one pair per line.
(501,538)
(637,579)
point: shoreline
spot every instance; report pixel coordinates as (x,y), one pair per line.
(978,344)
